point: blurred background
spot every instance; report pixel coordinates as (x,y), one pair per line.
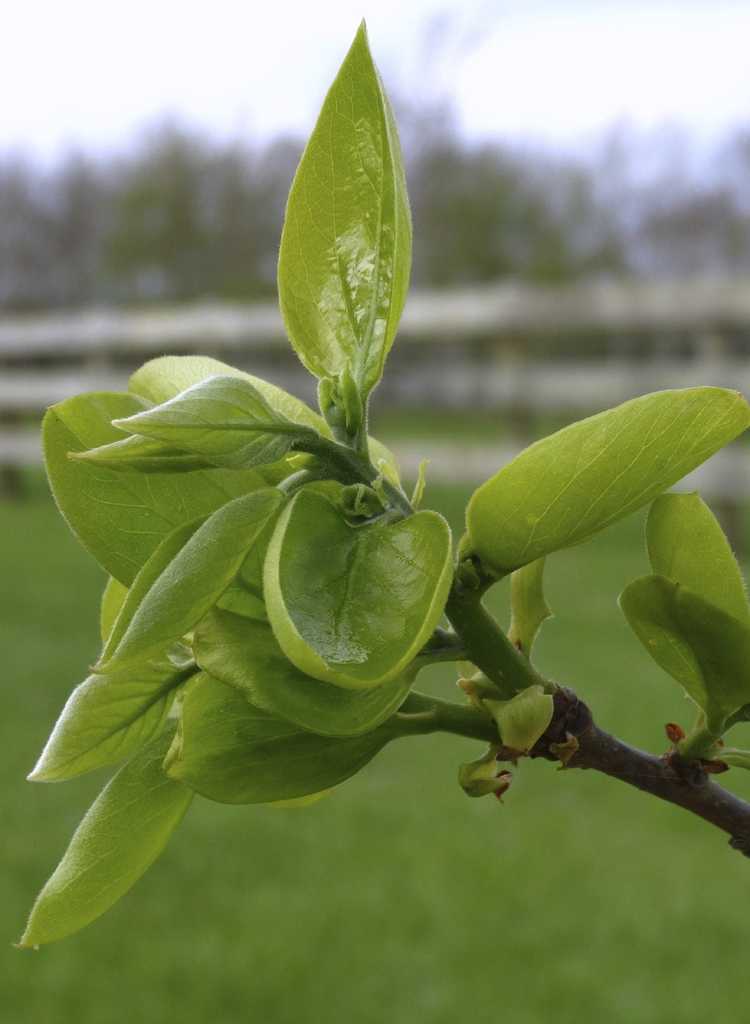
(579,173)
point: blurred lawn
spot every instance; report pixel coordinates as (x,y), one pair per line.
(398,900)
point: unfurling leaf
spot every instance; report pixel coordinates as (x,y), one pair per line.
(353,605)
(582,479)
(706,650)
(244,653)
(161,379)
(528,608)
(346,244)
(483,776)
(230,751)
(190,584)
(122,834)
(120,517)
(112,601)
(225,420)
(142,455)
(687,545)
(523,719)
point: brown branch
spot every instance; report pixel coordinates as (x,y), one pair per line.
(669,778)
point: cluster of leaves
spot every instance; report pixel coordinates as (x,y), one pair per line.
(273,592)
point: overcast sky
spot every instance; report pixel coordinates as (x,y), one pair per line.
(550,71)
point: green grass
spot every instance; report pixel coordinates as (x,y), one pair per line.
(398,899)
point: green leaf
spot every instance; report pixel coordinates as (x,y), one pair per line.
(191,583)
(346,245)
(142,455)
(353,605)
(706,650)
(121,517)
(112,601)
(146,579)
(229,751)
(527,605)
(224,419)
(735,758)
(522,720)
(686,544)
(122,834)
(582,479)
(164,378)
(244,654)
(107,718)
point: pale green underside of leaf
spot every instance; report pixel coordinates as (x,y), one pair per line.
(112,601)
(165,377)
(353,606)
(706,650)
(124,831)
(179,590)
(346,244)
(121,517)
(229,751)
(580,480)
(106,719)
(224,419)
(686,544)
(244,654)
(527,605)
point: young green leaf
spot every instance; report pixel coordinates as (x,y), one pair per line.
(576,482)
(346,245)
(147,577)
(142,455)
(244,653)
(229,751)
(706,650)
(190,584)
(123,833)
(107,718)
(223,419)
(161,379)
(353,605)
(120,517)
(112,601)
(523,719)
(528,608)
(687,545)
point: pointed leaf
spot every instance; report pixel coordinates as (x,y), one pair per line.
(234,753)
(244,654)
(527,605)
(108,718)
(193,580)
(703,648)
(142,455)
(224,419)
(164,378)
(122,834)
(346,245)
(687,545)
(121,517)
(354,605)
(580,480)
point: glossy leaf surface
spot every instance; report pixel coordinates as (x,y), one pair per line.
(686,544)
(224,419)
(706,650)
(124,831)
(580,480)
(346,245)
(191,583)
(353,605)
(244,653)
(234,753)
(121,517)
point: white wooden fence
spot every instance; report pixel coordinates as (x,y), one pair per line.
(501,347)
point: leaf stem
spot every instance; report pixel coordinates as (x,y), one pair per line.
(421,715)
